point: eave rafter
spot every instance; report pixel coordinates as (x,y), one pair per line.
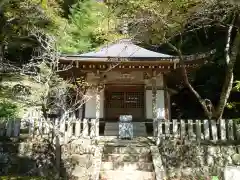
(159,66)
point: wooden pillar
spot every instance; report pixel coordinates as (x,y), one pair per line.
(154,105)
(98,103)
(167,103)
(98,108)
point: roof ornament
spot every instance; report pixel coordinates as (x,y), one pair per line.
(124,28)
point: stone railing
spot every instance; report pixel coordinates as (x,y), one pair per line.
(10,127)
(206,130)
(34,126)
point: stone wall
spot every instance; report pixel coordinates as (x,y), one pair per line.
(27,158)
(15,158)
(186,158)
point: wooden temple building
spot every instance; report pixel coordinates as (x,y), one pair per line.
(127,80)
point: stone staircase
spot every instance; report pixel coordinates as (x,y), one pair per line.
(112,129)
(127,163)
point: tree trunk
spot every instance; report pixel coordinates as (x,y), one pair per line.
(228,82)
(231,56)
(207,111)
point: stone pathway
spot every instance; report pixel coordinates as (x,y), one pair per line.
(116,159)
(127,160)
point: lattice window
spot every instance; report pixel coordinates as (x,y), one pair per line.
(134,100)
(115,100)
(125,100)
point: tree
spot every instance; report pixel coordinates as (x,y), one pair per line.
(49,92)
(90,25)
(171,22)
(17,20)
(231,52)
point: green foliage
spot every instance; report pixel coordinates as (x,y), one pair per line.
(215,178)
(234,103)
(19,19)
(89,26)
(8,109)
(22,16)
(237,86)
(83,25)
(153,21)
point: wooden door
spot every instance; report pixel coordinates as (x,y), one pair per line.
(124,100)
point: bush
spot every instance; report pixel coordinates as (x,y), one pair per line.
(8,109)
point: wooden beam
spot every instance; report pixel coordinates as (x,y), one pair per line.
(166,100)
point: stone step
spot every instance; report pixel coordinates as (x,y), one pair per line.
(133,149)
(116,133)
(127,175)
(117,128)
(127,166)
(134,130)
(134,135)
(143,157)
(116,125)
(137,131)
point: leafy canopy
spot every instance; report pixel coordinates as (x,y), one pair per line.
(90,25)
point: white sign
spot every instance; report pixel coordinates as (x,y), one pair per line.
(125,126)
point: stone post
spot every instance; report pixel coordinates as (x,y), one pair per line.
(198,130)
(230,129)
(17,124)
(85,127)
(223,129)
(175,127)
(206,129)
(190,129)
(9,128)
(93,128)
(183,129)
(78,128)
(214,130)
